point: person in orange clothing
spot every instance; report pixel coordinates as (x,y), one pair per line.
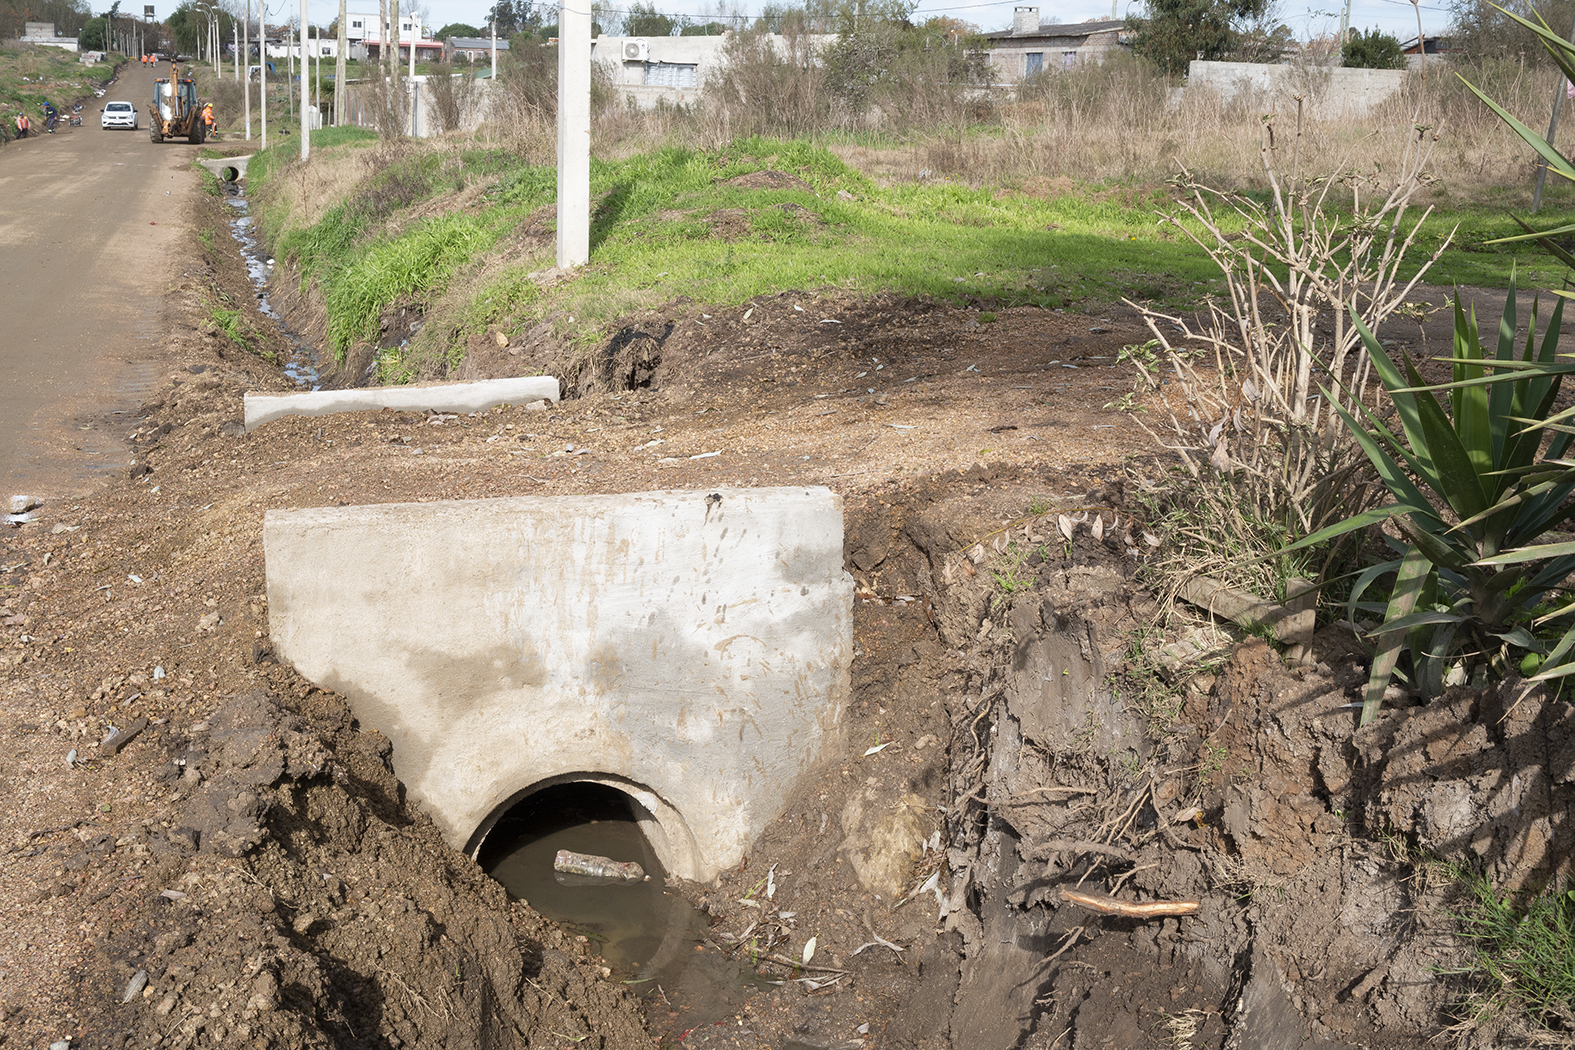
(23,125)
(207,119)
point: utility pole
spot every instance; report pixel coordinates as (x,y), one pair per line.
(289,81)
(339,67)
(494,51)
(246,64)
(1553,127)
(1345,27)
(574,135)
(415,89)
(306,96)
(396,98)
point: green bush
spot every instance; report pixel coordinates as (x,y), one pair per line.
(1373,49)
(1474,491)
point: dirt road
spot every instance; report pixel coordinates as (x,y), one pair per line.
(89,224)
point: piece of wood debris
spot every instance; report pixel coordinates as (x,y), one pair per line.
(1110,906)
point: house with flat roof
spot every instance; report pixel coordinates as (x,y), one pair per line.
(474,48)
(1031,46)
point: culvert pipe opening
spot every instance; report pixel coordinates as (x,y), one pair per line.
(640,928)
(230,174)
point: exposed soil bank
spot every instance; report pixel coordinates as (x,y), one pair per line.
(249,851)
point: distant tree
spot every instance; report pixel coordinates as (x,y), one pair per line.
(643,19)
(1178,31)
(459,29)
(94,35)
(703,29)
(1373,49)
(515,16)
(1263,39)
(1481,29)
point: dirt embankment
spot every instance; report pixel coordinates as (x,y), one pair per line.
(244,870)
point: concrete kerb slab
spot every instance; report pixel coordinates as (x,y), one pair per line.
(227,169)
(437,397)
(689,648)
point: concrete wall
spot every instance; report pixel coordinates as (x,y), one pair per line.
(692,648)
(1328,91)
(706,54)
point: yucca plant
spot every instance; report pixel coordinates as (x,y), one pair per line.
(1473,492)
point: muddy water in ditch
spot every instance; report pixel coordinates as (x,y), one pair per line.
(302,365)
(647,933)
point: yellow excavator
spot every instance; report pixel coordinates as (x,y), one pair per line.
(175,111)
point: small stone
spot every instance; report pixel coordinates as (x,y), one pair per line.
(134,987)
(60,1044)
(209,622)
(21,504)
(501,339)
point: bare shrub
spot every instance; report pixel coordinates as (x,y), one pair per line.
(525,94)
(453,95)
(374,103)
(227,103)
(1250,411)
(766,86)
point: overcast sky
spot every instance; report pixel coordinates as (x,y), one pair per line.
(1393,16)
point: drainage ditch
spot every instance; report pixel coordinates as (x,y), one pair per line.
(301,367)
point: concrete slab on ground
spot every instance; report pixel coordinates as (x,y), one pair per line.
(436,397)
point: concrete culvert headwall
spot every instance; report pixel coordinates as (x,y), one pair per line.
(691,649)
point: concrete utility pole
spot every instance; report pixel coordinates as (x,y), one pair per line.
(494,50)
(339,67)
(1553,129)
(574,135)
(396,97)
(415,89)
(240,60)
(306,95)
(262,75)
(246,67)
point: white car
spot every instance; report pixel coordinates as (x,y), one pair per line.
(120,115)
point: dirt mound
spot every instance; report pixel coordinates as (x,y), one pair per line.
(768,180)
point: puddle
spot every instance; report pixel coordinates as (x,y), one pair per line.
(652,938)
(301,366)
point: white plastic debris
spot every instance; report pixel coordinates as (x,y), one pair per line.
(589,864)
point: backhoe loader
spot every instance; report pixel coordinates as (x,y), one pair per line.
(175,110)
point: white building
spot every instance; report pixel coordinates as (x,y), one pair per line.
(43,34)
(670,68)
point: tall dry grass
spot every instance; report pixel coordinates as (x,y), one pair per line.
(1120,123)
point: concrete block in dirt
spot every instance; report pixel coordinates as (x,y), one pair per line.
(689,648)
(438,397)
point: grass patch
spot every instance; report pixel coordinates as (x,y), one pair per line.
(29,75)
(390,270)
(707,225)
(1524,954)
(1471,260)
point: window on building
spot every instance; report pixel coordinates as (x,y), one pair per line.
(671,74)
(356,25)
(1069,59)
(326,50)
(1033,62)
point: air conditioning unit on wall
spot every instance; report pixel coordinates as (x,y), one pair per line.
(636,51)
